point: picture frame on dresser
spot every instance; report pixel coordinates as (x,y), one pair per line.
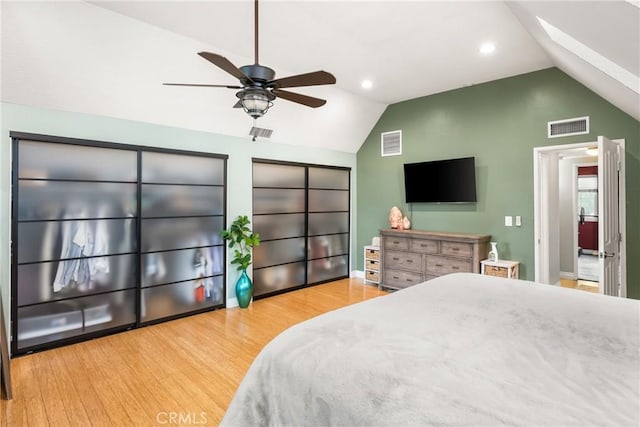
(409,257)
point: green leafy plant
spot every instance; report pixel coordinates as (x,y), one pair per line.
(241,239)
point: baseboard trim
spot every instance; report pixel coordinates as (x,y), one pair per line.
(356,274)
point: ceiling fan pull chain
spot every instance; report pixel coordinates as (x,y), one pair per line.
(255,125)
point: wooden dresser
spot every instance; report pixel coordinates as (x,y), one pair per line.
(410,257)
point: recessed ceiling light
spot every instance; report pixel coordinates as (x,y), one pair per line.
(367,84)
(487,48)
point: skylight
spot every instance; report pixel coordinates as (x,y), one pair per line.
(591,56)
(635,3)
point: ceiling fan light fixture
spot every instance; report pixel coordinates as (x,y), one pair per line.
(256,102)
(258,84)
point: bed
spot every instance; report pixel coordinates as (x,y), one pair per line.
(459,350)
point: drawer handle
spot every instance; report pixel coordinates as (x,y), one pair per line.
(395,242)
(455,249)
(409,280)
(438,265)
(396,277)
(455,267)
(396,259)
(422,245)
(409,261)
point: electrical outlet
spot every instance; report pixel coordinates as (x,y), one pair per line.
(518,221)
(508,221)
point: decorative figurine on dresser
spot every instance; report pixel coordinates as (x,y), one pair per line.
(406,224)
(409,257)
(395,219)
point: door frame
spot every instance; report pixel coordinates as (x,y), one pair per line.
(541,221)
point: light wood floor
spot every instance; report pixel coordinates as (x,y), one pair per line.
(189,367)
(581,285)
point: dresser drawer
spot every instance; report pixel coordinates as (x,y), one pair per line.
(424,246)
(438,265)
(464,250)
(403,260)
(410,257)
(398,243)
(401,279)
(372,265)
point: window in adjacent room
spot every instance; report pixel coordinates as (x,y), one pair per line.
(588,197)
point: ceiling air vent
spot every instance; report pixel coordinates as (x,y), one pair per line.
(257,132)
(391,143)
(577,126)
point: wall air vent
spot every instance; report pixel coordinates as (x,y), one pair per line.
(391,143)
(577,126)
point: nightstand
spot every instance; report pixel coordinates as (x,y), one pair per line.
(372,265)
(500,268)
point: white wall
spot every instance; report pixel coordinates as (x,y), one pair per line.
(75,56)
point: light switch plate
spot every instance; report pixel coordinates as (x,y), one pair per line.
(518,221)
(508,221)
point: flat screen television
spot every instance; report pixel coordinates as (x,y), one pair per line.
(441,181)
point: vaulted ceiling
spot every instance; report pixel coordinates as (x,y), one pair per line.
(110,58)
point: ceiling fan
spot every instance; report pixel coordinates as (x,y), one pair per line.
(258,88)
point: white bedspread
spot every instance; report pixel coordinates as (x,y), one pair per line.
(460,350)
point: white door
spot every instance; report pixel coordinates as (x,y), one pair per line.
(547,206)
(608,217)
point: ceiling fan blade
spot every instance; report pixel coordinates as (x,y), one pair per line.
(226,65)
(309,101)
(309,79)
(238,104)
(201,85)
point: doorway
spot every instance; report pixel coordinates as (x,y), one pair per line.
(585,214)
(557,219)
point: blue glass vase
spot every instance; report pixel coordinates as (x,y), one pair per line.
(244,290)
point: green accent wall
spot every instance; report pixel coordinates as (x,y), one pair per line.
(499,123)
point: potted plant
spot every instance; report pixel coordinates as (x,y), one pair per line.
(242,240)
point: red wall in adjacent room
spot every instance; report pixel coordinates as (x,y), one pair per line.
(588,235)
(588,170)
